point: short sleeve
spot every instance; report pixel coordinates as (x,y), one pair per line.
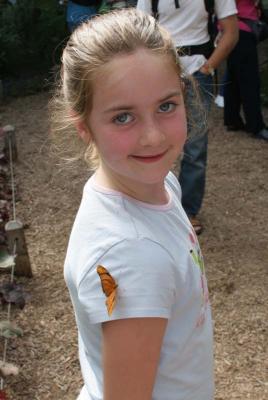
(143,272)
(225,8)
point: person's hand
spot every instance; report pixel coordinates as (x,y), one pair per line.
(207,69)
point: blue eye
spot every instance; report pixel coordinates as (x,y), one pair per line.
(167,107)
(123,118)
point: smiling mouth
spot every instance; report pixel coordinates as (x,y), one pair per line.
(149,158)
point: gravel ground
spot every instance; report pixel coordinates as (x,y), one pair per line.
(234,244)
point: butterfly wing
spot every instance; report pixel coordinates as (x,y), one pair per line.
(109,286)
(110,302)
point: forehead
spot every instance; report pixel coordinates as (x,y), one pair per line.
(137,74)
(125,61)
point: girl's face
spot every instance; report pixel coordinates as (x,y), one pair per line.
(137,121)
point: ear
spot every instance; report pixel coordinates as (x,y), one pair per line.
(83,131)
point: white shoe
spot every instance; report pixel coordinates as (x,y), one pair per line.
(219,101)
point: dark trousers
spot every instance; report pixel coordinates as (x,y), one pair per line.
(243,85)
(193,166)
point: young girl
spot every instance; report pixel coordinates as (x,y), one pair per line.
(133,266)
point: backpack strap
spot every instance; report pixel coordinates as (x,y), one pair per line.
(155,7)
(209,4)
(210,8)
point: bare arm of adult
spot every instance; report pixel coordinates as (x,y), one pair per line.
(131,351)
(228,40)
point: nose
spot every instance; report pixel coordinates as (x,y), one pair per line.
(151,133)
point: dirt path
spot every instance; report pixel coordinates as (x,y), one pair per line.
(234,244)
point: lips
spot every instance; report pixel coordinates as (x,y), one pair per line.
(149,158)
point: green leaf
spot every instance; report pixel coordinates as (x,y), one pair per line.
(9,330)
(6,260)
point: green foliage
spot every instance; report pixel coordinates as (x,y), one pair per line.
(9,330)
(31,36)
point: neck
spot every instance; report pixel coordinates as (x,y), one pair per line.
(148,193)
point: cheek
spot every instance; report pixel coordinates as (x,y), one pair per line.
(178,129)
(183,130)
(115,145)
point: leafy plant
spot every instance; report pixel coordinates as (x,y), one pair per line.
(9,330)
(12,292)
(31,32)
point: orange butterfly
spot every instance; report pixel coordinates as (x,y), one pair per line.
(109,288)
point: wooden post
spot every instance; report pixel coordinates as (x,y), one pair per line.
(16,239)
(9,132)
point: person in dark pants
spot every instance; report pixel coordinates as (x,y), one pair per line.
(243,86)
(195,151)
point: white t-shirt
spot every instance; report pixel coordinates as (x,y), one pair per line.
(188,23)
(154,257)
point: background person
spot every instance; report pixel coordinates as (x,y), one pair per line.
(242,90)
(187,21)
(79,11)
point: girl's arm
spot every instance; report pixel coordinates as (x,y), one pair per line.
(131,351)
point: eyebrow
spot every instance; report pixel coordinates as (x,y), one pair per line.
(129,107)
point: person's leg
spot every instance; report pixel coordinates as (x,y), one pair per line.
(232,97)
(249,82)
(223,83)
(193,166)
(76,14)
(219,100)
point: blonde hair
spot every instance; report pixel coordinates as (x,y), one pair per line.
(91,46)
